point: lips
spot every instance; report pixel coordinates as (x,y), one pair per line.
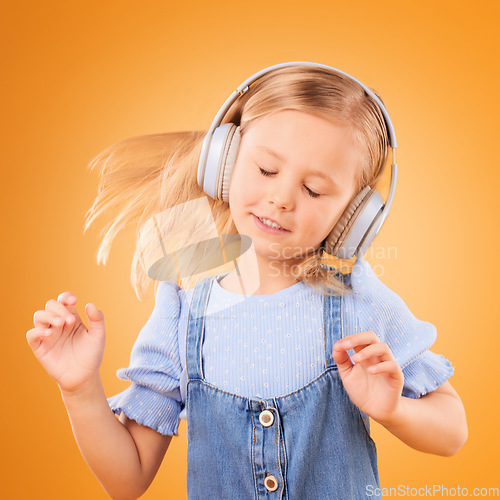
(271,222)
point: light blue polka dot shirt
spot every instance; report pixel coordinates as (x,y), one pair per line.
(266,345)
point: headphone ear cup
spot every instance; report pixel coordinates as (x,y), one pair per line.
(351,229)
(230,154)
(221,158)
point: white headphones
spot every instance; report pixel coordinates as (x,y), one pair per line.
(363,217)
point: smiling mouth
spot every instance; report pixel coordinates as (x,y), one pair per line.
(270,223)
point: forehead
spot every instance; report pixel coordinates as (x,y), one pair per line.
(303,139)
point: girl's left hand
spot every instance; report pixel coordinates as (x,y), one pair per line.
(375,381)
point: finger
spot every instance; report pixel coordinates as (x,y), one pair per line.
(69,300)
(35,337)
(389,367)
(46,319)
(50,321)
(343,362)
(55,308)
(379,350)
(95,319)
(357,341)
(59,308)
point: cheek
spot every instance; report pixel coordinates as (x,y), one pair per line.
(243,184)
(322,217)
(234,185)
(314,219)
(336,213)
(240,194)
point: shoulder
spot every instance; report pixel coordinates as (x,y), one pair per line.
(364,280)
(374,306)
(158,333)
(370,291)
(170,298)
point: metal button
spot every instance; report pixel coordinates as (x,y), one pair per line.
(266,418)
(271,483)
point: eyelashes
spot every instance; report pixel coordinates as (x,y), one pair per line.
(312,194)
(266,173)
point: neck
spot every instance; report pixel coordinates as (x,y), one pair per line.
(257,276)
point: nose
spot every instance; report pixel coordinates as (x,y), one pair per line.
(281,196)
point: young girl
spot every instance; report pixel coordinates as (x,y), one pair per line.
(279,363)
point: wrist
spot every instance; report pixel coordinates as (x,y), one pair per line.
(82,391)
(396,417)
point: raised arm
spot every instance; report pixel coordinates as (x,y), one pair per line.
(123,455)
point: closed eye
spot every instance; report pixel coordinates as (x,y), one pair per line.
(312,194)
(266,172)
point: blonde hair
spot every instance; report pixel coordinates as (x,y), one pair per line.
(144,176)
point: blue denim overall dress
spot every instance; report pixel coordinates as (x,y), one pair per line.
(309,444)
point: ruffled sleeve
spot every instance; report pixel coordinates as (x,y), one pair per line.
(375,307)
(154,398)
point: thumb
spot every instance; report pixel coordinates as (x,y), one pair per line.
(96,319)
(343,361)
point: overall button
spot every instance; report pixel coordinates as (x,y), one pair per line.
(266,418)
(271,483)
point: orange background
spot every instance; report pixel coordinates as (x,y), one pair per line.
(79,76)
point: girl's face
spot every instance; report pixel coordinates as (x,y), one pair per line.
(298,171)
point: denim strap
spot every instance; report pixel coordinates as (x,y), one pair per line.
(332,308)
(196,328)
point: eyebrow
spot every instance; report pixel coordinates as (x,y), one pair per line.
(317,173)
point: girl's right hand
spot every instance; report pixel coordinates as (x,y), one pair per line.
(69,352)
